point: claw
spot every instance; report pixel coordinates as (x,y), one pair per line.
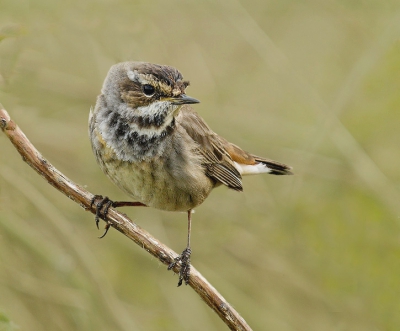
(184,272)
(98,208)
(105,231)
(107,203)
(104,201)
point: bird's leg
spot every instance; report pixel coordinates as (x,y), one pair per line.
(184,258)
(105,201)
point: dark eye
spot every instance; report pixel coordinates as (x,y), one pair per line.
(148,90)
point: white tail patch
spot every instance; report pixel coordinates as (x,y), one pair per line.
(251,169)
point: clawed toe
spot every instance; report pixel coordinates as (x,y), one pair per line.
(105,201)
(184,272)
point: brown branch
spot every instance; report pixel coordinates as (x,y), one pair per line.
(119,221)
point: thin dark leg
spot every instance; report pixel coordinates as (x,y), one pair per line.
(184,258)
(189,227)
(116,204)
(105,201)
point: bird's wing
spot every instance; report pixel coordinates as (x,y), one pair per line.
(225,161)
(217,161)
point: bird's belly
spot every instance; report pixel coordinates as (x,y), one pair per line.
(151,183)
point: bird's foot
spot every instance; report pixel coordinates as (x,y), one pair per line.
(184,272)
(106,203)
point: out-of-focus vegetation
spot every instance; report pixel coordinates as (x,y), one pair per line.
(315,84)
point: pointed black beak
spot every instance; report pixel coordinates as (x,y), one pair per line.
(183,99)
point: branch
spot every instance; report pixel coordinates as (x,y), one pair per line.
(118,221)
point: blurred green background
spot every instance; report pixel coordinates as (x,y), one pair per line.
(314,84)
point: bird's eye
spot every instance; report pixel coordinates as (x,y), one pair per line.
(148,90)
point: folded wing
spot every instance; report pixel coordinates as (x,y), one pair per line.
(225,162)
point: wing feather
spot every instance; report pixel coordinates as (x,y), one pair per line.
(220,155)
(217,162)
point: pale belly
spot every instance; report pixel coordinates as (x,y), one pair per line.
(158,183)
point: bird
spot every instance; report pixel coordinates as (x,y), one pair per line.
(150,142)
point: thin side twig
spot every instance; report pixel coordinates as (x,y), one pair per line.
(118,221)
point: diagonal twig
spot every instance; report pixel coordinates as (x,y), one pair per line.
(118,221)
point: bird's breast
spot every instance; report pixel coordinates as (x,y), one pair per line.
(167,175)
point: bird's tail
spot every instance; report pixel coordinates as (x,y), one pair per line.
(275,168)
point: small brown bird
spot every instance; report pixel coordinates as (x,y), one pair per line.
(151,143)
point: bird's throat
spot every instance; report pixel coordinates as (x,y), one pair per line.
(137,134)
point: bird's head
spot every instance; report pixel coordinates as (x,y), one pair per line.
(154,93)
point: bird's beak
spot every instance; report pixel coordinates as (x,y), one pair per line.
(183,99)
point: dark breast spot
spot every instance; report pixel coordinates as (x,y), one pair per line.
(114,117)
(149,121)
(122,130)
